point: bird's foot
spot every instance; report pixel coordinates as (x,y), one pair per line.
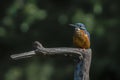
(84,50)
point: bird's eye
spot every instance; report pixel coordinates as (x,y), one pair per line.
(80,26)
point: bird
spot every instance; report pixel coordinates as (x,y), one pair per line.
(81,37)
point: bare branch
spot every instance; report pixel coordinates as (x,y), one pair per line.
(81,67)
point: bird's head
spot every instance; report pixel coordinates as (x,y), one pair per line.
(78,26)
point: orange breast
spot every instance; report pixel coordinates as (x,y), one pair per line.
(81,40)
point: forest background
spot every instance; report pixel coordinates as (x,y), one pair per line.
(24,21)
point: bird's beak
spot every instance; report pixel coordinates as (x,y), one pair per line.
(76,28)
(72,25)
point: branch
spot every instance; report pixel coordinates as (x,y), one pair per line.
(81,71)
(50,51)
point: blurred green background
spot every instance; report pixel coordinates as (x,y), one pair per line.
(24,21)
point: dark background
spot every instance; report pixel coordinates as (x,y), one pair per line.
(24,21)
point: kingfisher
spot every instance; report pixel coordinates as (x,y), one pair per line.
(81,37)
